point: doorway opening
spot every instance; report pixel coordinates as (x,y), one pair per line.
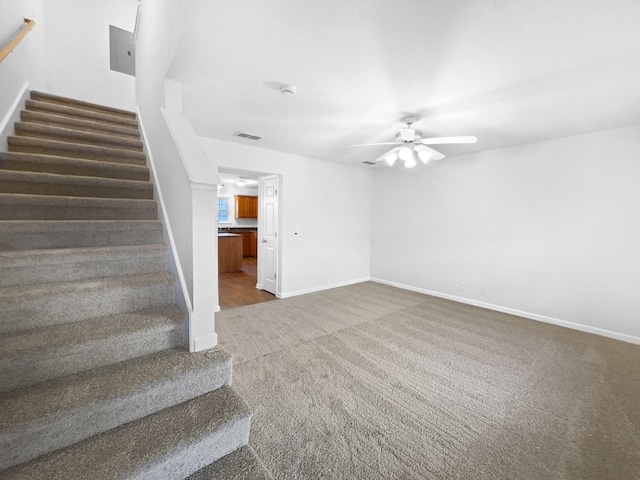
(248,243)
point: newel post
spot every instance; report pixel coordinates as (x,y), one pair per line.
(204,180)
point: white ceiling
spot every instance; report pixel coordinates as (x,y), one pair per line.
(507,71)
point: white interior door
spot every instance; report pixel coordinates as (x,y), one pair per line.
(268,247)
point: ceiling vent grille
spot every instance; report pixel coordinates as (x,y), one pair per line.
(367,162)
(247,135)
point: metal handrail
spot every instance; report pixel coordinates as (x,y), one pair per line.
(17,38)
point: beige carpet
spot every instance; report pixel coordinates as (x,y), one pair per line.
(373,382)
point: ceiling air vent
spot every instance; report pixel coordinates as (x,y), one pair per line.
(247,135)
(367,162)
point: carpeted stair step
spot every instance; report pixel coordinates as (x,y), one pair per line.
(74,150)
(34,162)
(15,206)
(170,444)
(40,234)
(243,464)
(65,101)
(39,354)
(67,410)
(27,267)
(79,113)
(65,134)
(86,125)
(43,305)
(35,183)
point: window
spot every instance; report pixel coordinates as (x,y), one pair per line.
(223,209)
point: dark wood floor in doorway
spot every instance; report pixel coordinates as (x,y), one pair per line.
(237,289)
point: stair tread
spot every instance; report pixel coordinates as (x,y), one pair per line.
(152,445)
(20,406)
(78,136)
(37,340)
(34,116)
(35,94)
(61,200)
(20,258)
(95,164)
(21,293)
(37,105)
(70,146)
(63,225)
(56,178)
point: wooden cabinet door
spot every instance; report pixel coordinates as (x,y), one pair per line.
(241,206)
(253,244)
(253,207)
(246,244)
(246,206)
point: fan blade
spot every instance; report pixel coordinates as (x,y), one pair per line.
(436,154)
(443,140)
(370,144)
(393,150)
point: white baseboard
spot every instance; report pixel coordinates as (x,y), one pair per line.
(205,342)
(12,115)
(520,313)
(323,287)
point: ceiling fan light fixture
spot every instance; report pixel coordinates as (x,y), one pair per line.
(391,158)
(405,154)
(425,156)
(410,163)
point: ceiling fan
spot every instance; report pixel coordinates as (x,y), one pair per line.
(411,147)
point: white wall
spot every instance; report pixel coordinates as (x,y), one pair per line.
(27,61)
(327,203)
(77,50)
(157,41)
(550,228)
(67,52)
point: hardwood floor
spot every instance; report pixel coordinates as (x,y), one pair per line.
(237,289)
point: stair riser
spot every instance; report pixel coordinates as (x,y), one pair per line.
(200,432)
(44,212)
(70,190)
(72,271)
(61,166)
(42,118)
(202,452)
(79,104)
(84,237)
(83,138)
(75,306)
(22,444)
(76,151)
(25,371)
(77,113)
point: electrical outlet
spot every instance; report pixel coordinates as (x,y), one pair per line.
(483,291)
(461,286)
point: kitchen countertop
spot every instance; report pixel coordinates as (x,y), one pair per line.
(243,227)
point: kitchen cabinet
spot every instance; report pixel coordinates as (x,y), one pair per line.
(253,245)
(249,244)
(246,206)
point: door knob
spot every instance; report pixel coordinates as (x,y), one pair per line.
(264,240)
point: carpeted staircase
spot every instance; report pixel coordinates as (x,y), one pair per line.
(95,379)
